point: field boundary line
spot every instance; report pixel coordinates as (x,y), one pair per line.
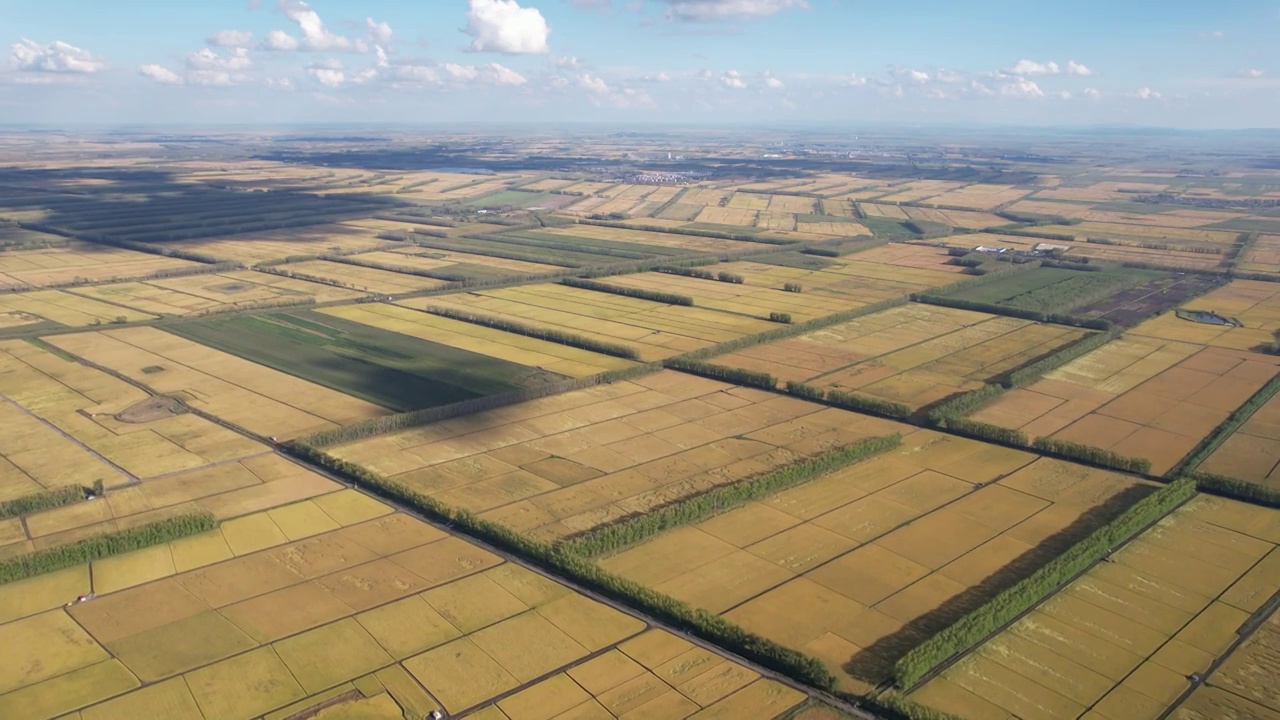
(72,438)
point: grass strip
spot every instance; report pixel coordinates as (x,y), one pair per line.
(562,338)
(637,528)
(582,571)
(42,500)
(106,545)
(975,627)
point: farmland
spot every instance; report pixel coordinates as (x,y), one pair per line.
(1137,396)
(1234,688)
(340,599)
(213,293)
(1252,452)
(847,566)
(1121,641)
(1256,305)
(1055,290)
(252,396)
(561,465)
(913,354)
(656,329)
(79,263)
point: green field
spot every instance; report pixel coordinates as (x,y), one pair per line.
(513,198)
(888,228)
(1055,289)
(392,370)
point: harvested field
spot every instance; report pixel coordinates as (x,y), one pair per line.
(1101,192)
(746,298)
(1122,641)
(60,428)
(252,396)
(1262,256)
(534,358)
(78,261)
(981,197)
(62,308)
(1253,303)
(1252,452)
(256,247)
(728,216)
(214,293)
(914,354)
(1243,686)
(656,329)
(365,279)
(370,608)
(1137,396)
(564,464)
(393,370)
(421,258)
(848,568)
(956,218)
(687,243)
(1144,233)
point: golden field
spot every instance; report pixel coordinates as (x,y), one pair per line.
(1144,233)
(1120,642)
(1137,396)
(914,354)
(1253,303)
(527,351)
(61,428)
(1095,251)
(220,292)
(656,329)
(79,261)
(366,279)
(849,567)
(692,243)
(1242,686)
(1252,452)
(1263,255)
(981,197)
(252,396)
(564,464)
(342,604)
(420,258)
(256,247)
(62,307)
(757,296)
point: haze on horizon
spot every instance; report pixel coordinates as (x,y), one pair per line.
(1185,65)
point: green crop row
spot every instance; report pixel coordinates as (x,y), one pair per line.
(1092,455)
(42,500)
(737,376)
(654,295)
(582,571)
(637,528)
(106,545)
(556,336)
(1032,590)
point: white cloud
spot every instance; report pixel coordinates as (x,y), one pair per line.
(657,78)
(206,59)
(949,76)
(732,79)
(285,83)
(916,76)
(772,82)
(1031,67)
(417,74)
(1145,93)
(853,80)
(593,84)
(1075,68)
(491,74)
(56,57)
(1021,87)
(279,40)
(315,36)
(1092,93)
(327,72)
(1213,35)
(1063,94)
(160,74)
(379,32)
(718,10)
(705,74)
(230,39)
(502,26)
(1252,73)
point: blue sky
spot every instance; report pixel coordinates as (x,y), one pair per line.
(1181,64)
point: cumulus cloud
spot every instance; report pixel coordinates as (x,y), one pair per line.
(160,74)
(593,84)
(1075,68)
(720,10)
(1145,93)
(327,72)
(230,39)
(853,80)
(285,83)
(491,74)
(502,26)
(657,78)
(772,82)
(315,37)
(732,79)
(56,57)
(1031,67)
(1092,93)
(916,76)
(1021,87)
(379,32)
